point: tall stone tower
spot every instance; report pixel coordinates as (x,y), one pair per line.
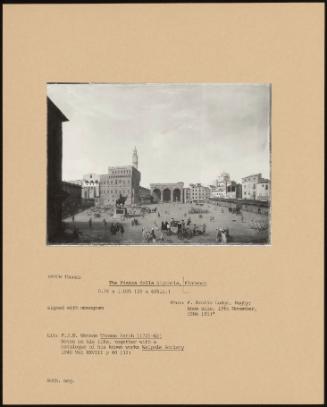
(135,159)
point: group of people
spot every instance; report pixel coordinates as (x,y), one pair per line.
(134,222)
(222,235)
(183,228)
(152,236)
(179,228)
(116,227)
(166,226)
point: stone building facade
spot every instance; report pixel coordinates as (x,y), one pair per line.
(124,181)
(249,186)
(187,195)
(91,186)
(214,192)
(135,159)
(263,190)
(167,192)
(120,181)
(55,194)
(221,185)
(145,195)
(199,192)
(233,190)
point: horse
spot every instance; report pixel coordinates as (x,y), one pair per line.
(121,200)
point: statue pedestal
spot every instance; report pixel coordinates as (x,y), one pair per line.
(120,213)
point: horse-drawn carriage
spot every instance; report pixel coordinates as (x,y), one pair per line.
(186,231)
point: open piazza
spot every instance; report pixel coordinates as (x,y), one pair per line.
(94,225)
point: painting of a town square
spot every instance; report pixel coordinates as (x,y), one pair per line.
(158,164)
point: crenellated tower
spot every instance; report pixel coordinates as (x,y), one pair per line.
(135,159)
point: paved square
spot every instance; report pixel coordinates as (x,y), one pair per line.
(244,228)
